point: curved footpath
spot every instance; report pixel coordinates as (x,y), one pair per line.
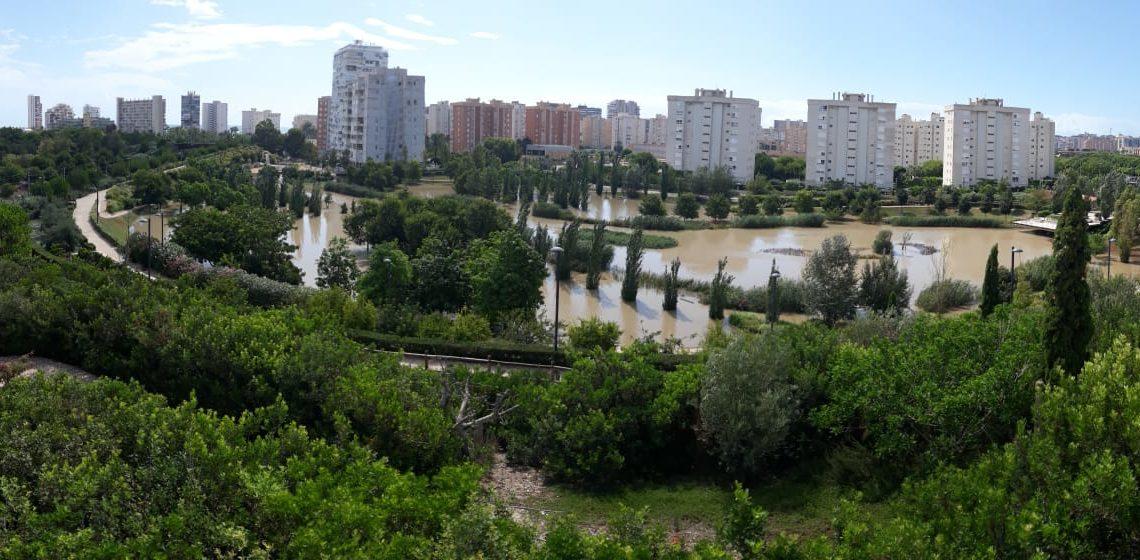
(82,217)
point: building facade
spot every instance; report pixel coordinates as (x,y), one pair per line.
(473,121)
(375,112)
(299,121)
(35,113)
(553,124)
(711,128)
(591,130)
(251,118)
(191,110)
(627,130)
(790,136)
(439,118)
(986,140)
(613,108)
(141,115)
(55,117)
(917,142)
(324,104)
(1042,138)
(589,111)
(518,120)
(215,117)
(850,138)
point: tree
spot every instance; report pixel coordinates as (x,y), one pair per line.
(267,137)
(748,401)
(804,202)
(718,289)
(568,241)
(743,527)
(597,254)
(749,205)
(247,237)
(297,201)
(1005,199)
(266,183)
(991,284)
(442,282)
(294,144)
(883,287)
(1069,325)
(717,207)
(882,244)
(1125,222)
(829,281)
(388,280)
(151,187)
(337,267)
(651,205)
(594,334)
(669,303)
(773,205)
(15,233)
(506,274)
(634,250)
(687,206)
(764,165)
(964,205)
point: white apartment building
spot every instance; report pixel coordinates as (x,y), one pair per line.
(439,118)
(35,113)
(376,112)
(918,142)
(657,130)
(141,115)
(712,128)
(191,110)
(590,130)
(627,130)
(850,138)
(618,106)
(215,117)
(1042,138)
(55,117)
(986,140)
(251,118)
(518,120)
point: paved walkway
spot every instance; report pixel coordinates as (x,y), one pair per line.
(82,216)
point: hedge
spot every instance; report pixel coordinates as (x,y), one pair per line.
(765,222)
(552,211)
(910,220)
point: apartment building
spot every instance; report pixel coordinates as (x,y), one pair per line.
(594,132)
(627,130)
(439,118)
(35,113)
(215,117)
(850,138)
(376,112)
(473,121)
(251,118)
(553,124)
(55,117)
(1042,136)
(713,128)
(585,111)
(349,63)
(299,121)
(985,139)
(618,106)
(191,110)
(141,115)
(790,136)
(917,142)
(324,104)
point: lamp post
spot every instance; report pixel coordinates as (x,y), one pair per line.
(162,226)
(1108,259)
(149,240)
(1012,277)
(557,252)
(388,269)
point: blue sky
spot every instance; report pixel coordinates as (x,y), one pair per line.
(1076,62)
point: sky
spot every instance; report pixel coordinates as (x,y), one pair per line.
(1075,62)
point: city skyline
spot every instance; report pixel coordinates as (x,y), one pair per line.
(255,54)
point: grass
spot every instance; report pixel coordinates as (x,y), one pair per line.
(794,220)
(949,220)
(115,229)
(621,238)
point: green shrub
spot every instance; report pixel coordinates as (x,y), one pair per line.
(594,334)
(763,222)
(943,295)
(910,220)
(552,211)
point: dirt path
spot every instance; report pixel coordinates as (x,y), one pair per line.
(12,367)
(82,217)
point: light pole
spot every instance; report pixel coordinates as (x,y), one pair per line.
(162,226)
(388,269)
(1111,240)
(557,252)
(1012,277)
(149,240)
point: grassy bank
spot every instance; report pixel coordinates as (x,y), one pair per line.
(621,238)
(910,220)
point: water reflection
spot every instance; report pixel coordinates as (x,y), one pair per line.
(312,234)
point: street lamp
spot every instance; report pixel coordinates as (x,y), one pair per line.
(1012,277)
(388,269)
(1111,240)
(557,252)
(149,240)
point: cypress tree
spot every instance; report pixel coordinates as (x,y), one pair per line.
(568,240)
(633,253)
(717,294)
(670,302)
(772,311)
(1069,324)
(594,265)
(991,290)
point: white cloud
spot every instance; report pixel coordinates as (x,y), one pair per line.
(486,35)
(200,9)
(416,18)
(166,46)
(408,34)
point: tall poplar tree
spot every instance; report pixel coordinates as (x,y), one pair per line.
(1069,325)
(634,251)
(991,290)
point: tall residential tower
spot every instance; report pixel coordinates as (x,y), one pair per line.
(191,110)
(35,113)
(986,140)
(711,128)
(850,138)
(376,112)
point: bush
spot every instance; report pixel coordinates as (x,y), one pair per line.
(552,211)
(763,222)
(882,244)
(909,220)
(943,295)
(657,223)
(494,350)
(651,205)
(594,334)
(1036,272)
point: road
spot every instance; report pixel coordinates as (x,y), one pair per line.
(82,216)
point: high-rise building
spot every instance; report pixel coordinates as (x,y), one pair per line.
(324,104)
(215,117)
(376,112)
(473,121)
(191,110)
(589,111)
(1042,134)
(439,118)
(518,120)
(613,108)
(590,132)
(986,140)
(711,128)
(917,142)
(55,117)
(553,124)
(141,115)
(657,130)
(627,130)
(790,136)
(299,121)
(35,113)
(251,118)
(850,138)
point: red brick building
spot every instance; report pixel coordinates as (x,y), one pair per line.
(323,104)
(473,121)
(553,123)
